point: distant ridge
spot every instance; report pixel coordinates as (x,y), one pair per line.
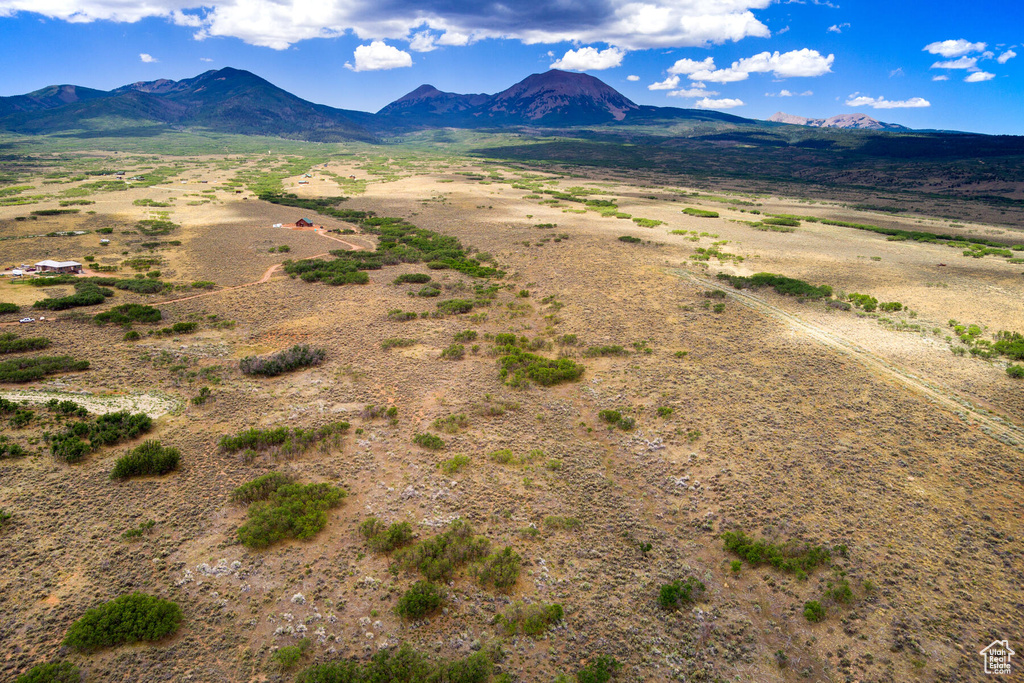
(236,101)
(849,121)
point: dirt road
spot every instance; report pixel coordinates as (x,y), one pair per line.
(993,425)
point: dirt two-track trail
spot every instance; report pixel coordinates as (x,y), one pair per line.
(996,427)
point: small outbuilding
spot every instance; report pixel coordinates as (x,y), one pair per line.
(303,223)
(49,266)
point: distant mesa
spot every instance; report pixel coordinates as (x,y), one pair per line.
(847,121)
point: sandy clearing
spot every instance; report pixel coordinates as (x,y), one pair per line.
(153,405)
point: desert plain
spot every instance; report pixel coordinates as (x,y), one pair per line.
(796,421)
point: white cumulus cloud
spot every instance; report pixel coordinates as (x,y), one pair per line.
(689,66)
(379,56)
(424,41)
(589,59)
(726,103)
(278,24)
(1006,56)
(667,84)
(838,28)
(147,58)
(856,100)
(954,48)
(692,92)
(979,77)
(796,63)
(942,77)
(962,63)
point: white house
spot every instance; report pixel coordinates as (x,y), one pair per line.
(49,266)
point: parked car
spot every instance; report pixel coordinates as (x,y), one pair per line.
(27,320)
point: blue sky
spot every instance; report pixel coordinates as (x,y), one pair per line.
(939,64)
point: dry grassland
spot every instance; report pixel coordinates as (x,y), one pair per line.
(771,432)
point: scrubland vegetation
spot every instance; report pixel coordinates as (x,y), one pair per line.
(517,450)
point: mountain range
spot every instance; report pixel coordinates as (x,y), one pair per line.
(237,101)
(858,121)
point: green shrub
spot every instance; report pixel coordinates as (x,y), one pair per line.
(781,220)
(184,327)
(9,308)
(298,356)
(465,336)
(840,591)
(21,418)
(131,335)
(412,278)
(105,430)
(147,458)
(11,343)
(397,342)
(664,411)
(531,620)
(260,488)
(291,511)
(454,464)
(865,301)
(451,424)
(502,456)
(139,531)
(609,416)
(608,350)
(700,213)
(86,294)
(679,593)
(56,672)
(384,539)
(781,284)
(403,665)
(284,441)
(11,450)
(1015,371)
(125,619)
(454,306)
(790,557)
(600,670)
(202,397)
(519,368)
(5,518)
(562,523)
(129,313)
(647,222)
(428,440)
(500,569)
(814,611)
(288,656)
(438,557)
(629,239)
(454,352)
(1010,344)
(398,315)
(422,599)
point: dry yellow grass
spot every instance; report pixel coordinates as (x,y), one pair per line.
(797,440)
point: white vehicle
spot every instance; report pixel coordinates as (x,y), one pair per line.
(27,320)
